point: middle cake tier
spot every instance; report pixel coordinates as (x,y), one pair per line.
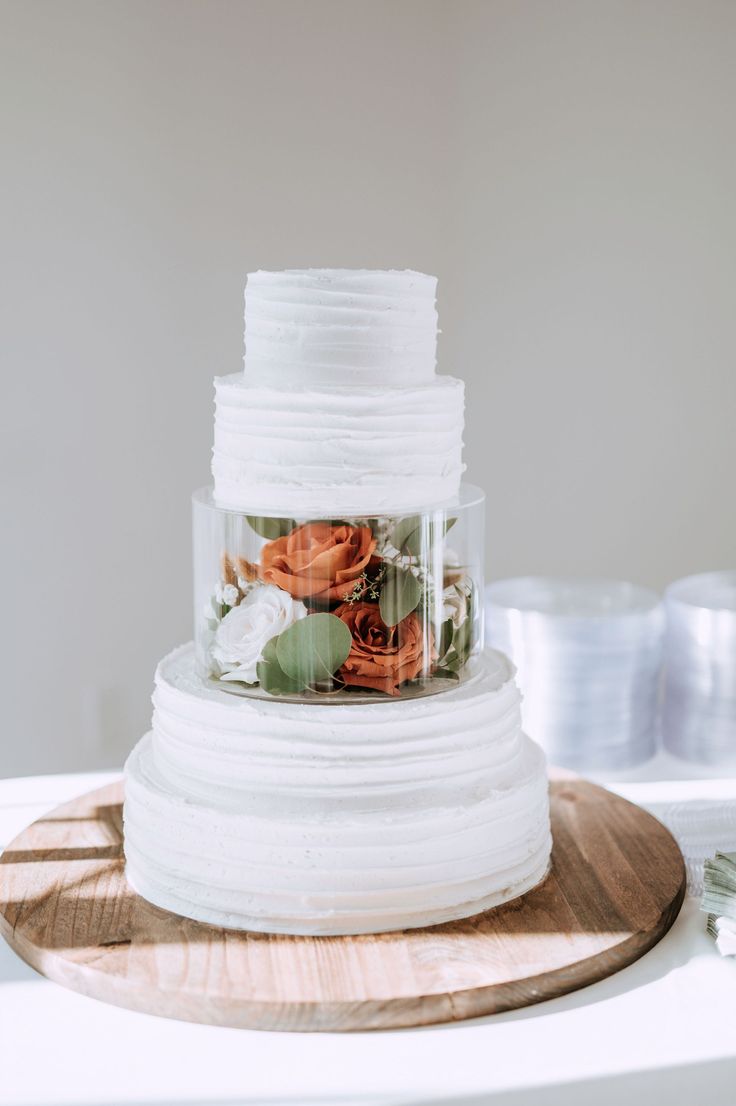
(361,449)
(330,819)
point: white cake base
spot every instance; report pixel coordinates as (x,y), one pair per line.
(325,819)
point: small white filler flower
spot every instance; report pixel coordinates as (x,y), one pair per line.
(230,595)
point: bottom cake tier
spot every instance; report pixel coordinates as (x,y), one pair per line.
(333,819)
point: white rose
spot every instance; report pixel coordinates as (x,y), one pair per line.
(246,630)
(454,606)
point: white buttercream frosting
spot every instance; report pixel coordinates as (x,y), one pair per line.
(339,408)
(346,450)
(340,326)
(327,819)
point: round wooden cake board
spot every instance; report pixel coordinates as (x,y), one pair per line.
(616,885)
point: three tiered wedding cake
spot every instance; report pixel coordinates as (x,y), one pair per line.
(336,753)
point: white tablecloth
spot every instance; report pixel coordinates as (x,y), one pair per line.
(661,1031)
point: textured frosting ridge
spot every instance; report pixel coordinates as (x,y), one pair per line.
(340,326)
(329,819)
(339,408)
(344,450)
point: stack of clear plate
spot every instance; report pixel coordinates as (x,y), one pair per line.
(699,710)
(588,654)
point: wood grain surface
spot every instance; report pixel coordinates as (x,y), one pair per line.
(616,886)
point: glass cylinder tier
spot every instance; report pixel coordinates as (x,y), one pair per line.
(588,655)
(340,610)
(699,710)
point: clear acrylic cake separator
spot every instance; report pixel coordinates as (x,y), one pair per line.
(338,609)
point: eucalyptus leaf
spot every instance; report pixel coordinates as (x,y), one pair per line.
(404,529)
(270,528)
(274,680)
(409,534)
(446,633)
(465,633)
(400,595)
(464,639)
(313,648)
(269,651)
(454,662)
(271,675)
(445,674)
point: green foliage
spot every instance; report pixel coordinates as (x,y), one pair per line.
(270,528)
(409,534)
(457,653)
(313,648)
(400,594)
(271,675)
(365,587)
(446,634)
(405,530)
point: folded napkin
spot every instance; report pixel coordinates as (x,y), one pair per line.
(719,900)
(724,932)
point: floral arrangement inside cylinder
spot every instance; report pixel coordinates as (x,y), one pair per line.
(383,606)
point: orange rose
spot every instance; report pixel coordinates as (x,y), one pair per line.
(318,561)
(381,657)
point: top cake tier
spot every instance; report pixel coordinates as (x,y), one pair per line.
(340,326)
(339,410)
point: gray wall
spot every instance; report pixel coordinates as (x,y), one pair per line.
(567,169)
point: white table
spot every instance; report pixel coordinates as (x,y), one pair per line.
(661,1031)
